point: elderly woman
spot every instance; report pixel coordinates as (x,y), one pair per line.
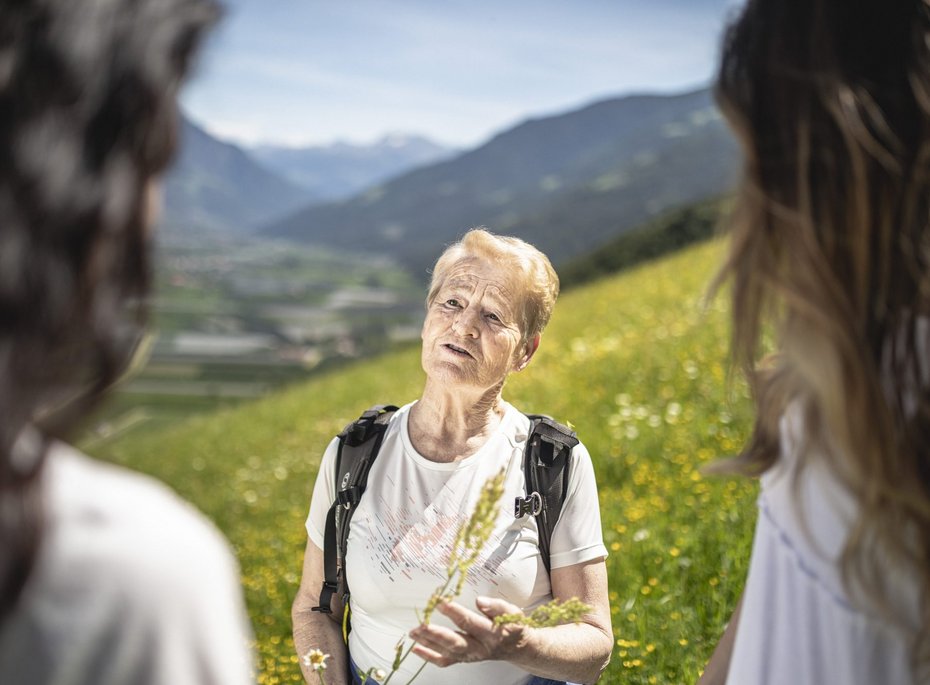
(489,301)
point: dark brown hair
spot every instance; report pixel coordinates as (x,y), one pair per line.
(87,121)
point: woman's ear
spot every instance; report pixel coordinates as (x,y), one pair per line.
(528,351)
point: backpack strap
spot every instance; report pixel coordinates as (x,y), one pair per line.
(359,443)
(545,467)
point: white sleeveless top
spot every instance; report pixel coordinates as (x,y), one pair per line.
(799,625)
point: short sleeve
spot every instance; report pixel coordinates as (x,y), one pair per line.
(577,536)
(324,492)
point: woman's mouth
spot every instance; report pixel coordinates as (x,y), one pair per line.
(457,350)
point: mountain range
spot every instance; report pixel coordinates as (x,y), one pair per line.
(567,183)
(341,170)
(215,186)
(220,187)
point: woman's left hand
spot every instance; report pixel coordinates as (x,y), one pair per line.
(477,638)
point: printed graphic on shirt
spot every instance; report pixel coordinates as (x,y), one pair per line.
(412,539)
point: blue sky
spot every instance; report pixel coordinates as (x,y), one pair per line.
(302,72)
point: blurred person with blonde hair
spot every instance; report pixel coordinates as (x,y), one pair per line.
(106,576)
(830,272)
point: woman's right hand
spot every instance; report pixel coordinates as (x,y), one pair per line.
(477,637)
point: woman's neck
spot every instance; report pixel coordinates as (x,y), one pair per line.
(448,424)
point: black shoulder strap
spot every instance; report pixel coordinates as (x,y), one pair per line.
(359,443)
(545,468)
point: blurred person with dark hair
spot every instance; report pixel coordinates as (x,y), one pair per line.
(106,577)
(830,260)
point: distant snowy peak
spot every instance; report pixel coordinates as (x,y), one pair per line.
(342,169)
(397,140)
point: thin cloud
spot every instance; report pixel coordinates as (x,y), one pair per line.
(314,71)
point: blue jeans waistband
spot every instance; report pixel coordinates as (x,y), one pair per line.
(534,680)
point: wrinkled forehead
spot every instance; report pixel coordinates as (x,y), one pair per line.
(495,280)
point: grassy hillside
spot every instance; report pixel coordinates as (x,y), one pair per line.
(634,361)
(669,232)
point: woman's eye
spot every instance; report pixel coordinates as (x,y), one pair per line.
(452,302)
(494,317)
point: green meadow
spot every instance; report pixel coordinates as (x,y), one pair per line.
(637,362)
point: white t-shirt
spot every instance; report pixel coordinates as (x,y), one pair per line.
(799,625)
(133,586)
(401,533)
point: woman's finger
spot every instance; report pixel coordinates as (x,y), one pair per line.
(442,640)
(432,656)
(447,646)
(492,607)
(467,621)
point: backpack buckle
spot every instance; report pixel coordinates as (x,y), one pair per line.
(531,505)
(326,594)
(349,497)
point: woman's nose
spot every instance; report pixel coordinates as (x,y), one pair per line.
(465,322)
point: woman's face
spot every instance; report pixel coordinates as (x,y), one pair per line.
(471,335)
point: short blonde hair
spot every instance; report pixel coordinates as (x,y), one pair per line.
(539,283)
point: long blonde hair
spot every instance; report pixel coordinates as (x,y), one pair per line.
(830,254)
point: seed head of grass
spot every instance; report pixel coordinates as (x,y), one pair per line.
(554,613)
(470,539)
